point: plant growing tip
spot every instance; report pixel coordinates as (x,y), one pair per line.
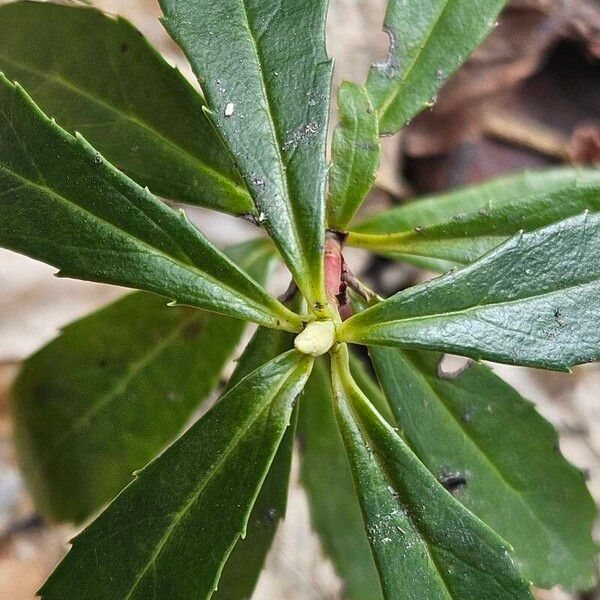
(317,338)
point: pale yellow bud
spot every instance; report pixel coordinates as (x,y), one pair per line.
(317,338)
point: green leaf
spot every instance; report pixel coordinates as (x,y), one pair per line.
(97,75)
(107,395)
(356,154)
(501,460)
(268,90)
(62,203)
(169,532)
(532,301)
(429,40)
(243,567)
(425,543)
(454,229)
(370,388)
(326,477)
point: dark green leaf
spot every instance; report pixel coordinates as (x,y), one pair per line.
(356,155)
(266,76)
(370,388)
(245,564)
(425,543)
(62,203)
(326,477)
(454,229)
(97,75)
(107,395)
(500,458)
(429,40)
(169,532)
(532,301)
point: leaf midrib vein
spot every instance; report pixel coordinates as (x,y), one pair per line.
(60,80)
(425,211)
(118,388)
(146,247)
(410,68)
(465,311)
(383,241)
(517,492)
(389,477)
(215,467)
(289,206)
(422,535)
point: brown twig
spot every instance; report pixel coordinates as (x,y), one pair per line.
(526,132)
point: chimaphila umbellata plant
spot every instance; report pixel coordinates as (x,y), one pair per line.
(421,486)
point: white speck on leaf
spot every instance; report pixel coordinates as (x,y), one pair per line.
(229,109)
(301,135)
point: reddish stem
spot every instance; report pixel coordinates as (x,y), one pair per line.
(335,267)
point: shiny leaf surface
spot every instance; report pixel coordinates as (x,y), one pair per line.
(356,155)
(169,532)
(498,457)
(326,477)
(532,301)
(114,389)
(425,543)
(429,40)
(454,229)
(244,565)
(62,203)
(267,88)
(97,75)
